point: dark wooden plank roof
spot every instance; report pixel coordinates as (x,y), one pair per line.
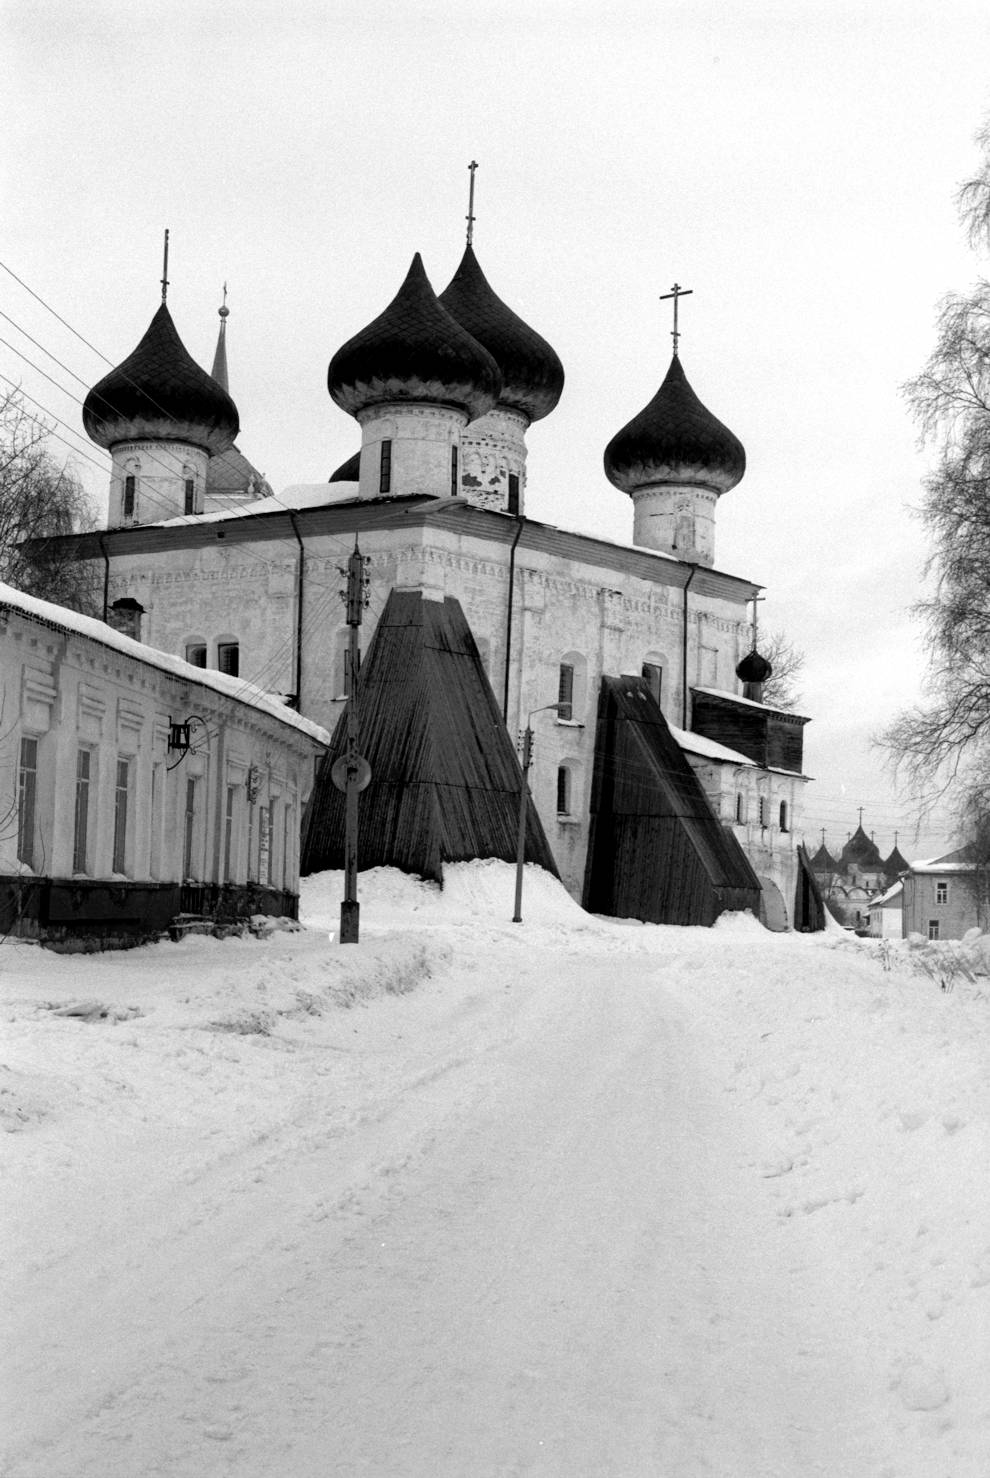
(445,777)
(656,850)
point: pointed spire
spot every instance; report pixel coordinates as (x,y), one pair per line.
(219,370)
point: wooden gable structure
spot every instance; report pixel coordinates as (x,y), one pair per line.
(656,850)
(809,903)
(445,778)
(772,738)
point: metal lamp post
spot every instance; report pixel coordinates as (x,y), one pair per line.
(527,759)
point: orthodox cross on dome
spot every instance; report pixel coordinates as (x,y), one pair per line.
(470,215)
(165,268)
(861,815)
(676,292)
(223,310)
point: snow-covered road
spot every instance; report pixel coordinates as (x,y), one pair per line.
(572,1199)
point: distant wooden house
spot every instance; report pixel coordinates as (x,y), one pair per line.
(135,787)
(886,914)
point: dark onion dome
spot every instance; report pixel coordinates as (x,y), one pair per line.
(896,863)
(532,375)
(349,471)
(753,668)
(862,851)
(230,473)
(823,861)
(675,439)
(414,351)
(160,393)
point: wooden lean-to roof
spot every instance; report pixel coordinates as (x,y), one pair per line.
(656,850)
(445,778)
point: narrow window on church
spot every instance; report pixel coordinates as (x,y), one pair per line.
(229,657)
(385,468)
(130,485)
(190,503)
(740,808)
(764,811)
(565,692)
(513,492)
(196,653)
(563,791)
(653,674)
(783,815)
(453,472)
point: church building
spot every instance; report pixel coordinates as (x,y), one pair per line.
(636,664)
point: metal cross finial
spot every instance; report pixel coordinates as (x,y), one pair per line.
(470,215)
(165,269)
(861,815)
(223,310)
(676,292)
(756,607)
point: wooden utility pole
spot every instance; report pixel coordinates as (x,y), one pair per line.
(353,774)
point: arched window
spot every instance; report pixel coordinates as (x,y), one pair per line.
(385,468)
(129,495)
(783,815)
(740,808)
(565,781)
(189,490)
(229,656)
(195,651)
(571,681)
(764,811)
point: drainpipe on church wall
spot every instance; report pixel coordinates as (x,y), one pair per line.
(106,579)
(684,659)
(508,616)
(300,577)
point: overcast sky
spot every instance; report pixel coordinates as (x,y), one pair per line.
(794,163)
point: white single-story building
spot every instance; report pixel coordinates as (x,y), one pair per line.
(135,787)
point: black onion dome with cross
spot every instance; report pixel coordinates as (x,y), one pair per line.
(861,850)
(414,351)
(159,393)
(675,438)
(532,374)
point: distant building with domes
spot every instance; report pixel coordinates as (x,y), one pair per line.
(664,787)
(854,879)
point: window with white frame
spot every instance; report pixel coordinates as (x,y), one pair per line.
(120,809)
(80,824)
(933,928)
(27,799)
(941,891)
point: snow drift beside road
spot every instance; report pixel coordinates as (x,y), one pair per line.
(570,1197)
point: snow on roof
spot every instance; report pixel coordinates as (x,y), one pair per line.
(230,687)
(747,702)
(934,865)
(892,894)
(709,748)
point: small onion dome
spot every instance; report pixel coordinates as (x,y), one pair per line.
(753,668)
(414,351)
(349,471)
(675,439)
(160,393)
(532,375)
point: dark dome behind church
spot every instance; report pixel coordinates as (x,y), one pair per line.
(160,393)
(532,374)
(414,351)
(675,439)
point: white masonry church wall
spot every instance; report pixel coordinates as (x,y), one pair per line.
(594,618)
